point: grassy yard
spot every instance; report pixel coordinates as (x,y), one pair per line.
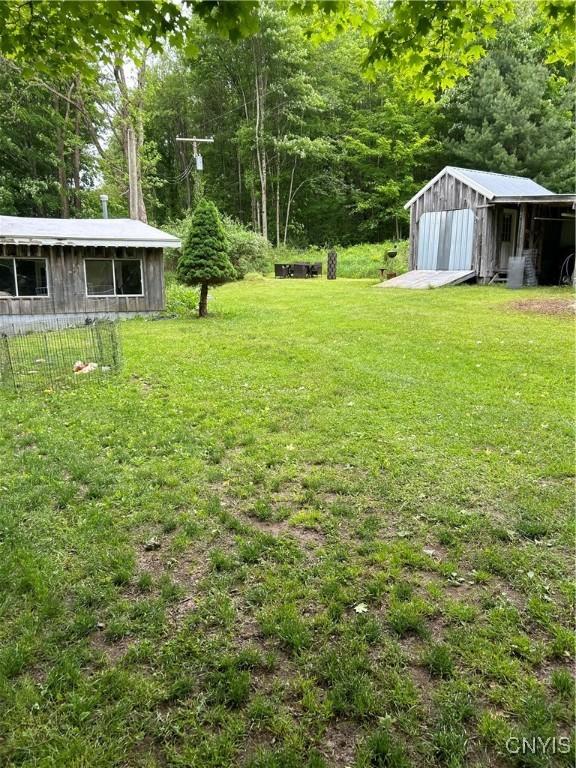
(330,525)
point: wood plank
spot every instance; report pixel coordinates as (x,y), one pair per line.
(428,278)
(521,231)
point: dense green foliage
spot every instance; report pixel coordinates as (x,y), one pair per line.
(46,166)
(514,114)
(333,526)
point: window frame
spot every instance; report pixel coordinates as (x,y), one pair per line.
(114,295)
(18,295)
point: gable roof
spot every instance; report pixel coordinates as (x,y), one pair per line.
(96,232)
(491,185)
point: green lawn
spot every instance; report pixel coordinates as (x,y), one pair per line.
(330,525)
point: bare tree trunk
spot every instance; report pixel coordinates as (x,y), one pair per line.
(240,212)
(76,164)
(277,199)
(260,149)
(62,180)
(289,201)
(131,155)
(132,138)
(203,303)
(139,129)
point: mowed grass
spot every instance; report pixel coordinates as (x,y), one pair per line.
(331,525)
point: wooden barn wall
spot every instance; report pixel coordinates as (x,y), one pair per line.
(449,194)
(66,286)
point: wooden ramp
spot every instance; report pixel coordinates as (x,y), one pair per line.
(428,278)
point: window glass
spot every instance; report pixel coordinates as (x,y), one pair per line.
(7,285)
(99,277)
(31,277)
(128,277)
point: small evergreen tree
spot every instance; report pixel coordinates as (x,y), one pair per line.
(204,260)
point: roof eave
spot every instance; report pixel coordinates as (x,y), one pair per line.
(552,199)
(95,242)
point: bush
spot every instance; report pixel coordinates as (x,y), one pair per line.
(248,251)
(181,301)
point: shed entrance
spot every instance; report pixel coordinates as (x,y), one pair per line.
(445,240)
(508,227)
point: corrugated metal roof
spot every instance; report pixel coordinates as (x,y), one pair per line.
(500,184)
(97,232)
(491,185)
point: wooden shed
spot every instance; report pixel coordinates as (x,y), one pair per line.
(466,224)
(80,266)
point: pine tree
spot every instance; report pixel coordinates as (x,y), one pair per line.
(204,260)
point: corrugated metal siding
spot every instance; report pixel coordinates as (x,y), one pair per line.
(461,241)
(428,238)
(445,240)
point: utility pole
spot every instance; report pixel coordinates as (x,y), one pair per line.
(194,140)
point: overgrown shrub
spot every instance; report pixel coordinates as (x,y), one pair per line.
(248,251)
(181,300)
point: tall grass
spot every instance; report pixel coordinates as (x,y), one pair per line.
(356,261)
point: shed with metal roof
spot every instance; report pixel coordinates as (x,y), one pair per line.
(472,222)
(80,266)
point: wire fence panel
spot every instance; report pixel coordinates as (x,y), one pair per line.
(53,353)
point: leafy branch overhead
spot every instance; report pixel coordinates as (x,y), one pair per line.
(432,39)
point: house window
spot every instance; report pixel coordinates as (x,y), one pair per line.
(113,277)
(23,278)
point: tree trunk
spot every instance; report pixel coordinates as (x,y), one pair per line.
(203,303)
(132,133)
(240,211)
(76,164)
(277,199)
(62,181)
(131,154)
(260,90)
(289,201)
(139,130)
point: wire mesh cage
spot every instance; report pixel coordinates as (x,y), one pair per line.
(53,353)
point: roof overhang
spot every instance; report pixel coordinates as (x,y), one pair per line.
(97,233)
(544,199)
(97,242)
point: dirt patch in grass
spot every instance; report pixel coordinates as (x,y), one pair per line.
(339,743)
(565,307)
(113,650)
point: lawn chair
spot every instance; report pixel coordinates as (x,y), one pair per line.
(301,270)
(316,269)
(281,270)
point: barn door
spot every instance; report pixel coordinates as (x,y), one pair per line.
(508,226)
(445,240)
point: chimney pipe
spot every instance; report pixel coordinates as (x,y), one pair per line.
(104,201)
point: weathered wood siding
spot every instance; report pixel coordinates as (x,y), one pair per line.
(447,194)
(67,288)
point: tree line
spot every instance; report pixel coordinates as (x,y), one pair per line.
(320,134)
